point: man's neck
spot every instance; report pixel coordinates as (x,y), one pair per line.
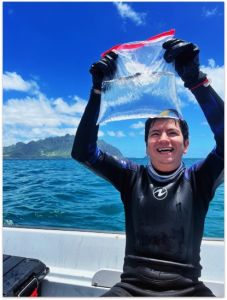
(164,176)
(165,173)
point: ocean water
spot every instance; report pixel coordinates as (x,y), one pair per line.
(64,194)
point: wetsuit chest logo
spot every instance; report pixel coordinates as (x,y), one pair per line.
(160,193)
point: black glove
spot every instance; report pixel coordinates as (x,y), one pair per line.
(186,57)
(105,68)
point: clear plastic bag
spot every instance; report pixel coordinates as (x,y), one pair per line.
(143,85)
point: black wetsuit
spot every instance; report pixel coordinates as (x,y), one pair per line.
(164,215)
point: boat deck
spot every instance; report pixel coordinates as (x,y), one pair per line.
(86,264)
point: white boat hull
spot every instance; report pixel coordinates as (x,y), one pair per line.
(88,263)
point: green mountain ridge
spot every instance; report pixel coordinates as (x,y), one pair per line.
(50,148)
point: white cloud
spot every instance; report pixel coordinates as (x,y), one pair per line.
(117,134)
(209,12)
(13,134)
(36,117)
(211,63)
(13,81)
(137,125)
(34,112)
(63,107)
(126,12)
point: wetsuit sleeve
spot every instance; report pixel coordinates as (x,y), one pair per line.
(119,172)
(209,172)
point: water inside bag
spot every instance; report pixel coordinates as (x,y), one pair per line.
(143,84)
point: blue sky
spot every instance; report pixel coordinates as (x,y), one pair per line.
(48,48)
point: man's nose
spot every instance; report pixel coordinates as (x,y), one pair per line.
(163,136)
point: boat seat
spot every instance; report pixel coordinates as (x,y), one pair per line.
(106,278)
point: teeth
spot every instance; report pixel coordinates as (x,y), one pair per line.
(165,149)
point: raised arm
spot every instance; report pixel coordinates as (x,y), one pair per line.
(85,144)
(209,172)
(117,171)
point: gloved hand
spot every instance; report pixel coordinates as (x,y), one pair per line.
(186,57)
(104,68)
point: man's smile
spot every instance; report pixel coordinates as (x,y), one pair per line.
(165,149)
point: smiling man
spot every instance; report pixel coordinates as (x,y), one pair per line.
(166,138)
(165,203)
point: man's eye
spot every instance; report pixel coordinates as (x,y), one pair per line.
(173,133)
(153,134)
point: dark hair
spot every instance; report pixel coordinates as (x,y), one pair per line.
(183,126)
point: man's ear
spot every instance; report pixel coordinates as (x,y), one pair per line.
(186,144)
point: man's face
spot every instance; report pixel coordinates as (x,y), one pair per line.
(166,145)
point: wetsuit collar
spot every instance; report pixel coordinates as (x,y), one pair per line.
(164,178)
